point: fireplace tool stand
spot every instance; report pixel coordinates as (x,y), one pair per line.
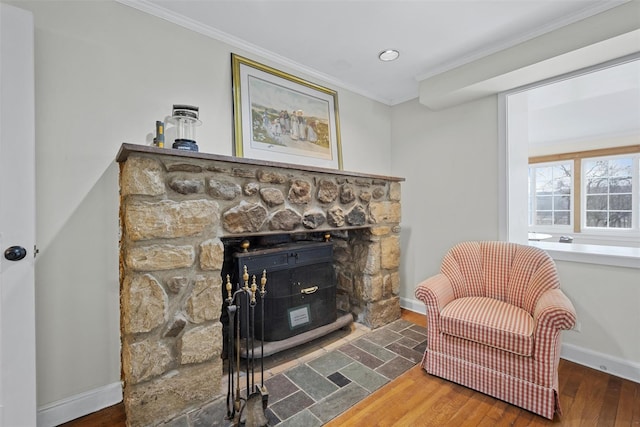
(245,411)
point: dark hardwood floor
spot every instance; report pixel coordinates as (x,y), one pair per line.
(588,398)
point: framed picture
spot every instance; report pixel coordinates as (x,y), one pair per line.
(283,118)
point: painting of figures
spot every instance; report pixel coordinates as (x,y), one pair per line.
(283,118)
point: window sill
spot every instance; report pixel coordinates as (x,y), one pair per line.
(618,256)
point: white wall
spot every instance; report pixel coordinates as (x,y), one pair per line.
(449,158)
(606,300)
(450,161)
(104,74)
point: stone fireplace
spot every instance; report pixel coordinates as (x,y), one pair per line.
(177,208)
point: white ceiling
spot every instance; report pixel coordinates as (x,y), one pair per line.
(339,41)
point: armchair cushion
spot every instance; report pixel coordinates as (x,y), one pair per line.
(490,322)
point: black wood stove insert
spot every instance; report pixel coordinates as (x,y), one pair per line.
(301,287)
(301,291)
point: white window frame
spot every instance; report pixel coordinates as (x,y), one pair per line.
(634,231)
(551,228)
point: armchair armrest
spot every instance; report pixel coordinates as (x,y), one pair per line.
(554,310)
(435,292)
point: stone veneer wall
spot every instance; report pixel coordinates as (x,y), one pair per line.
(175,208)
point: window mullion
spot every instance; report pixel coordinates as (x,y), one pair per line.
(577,195)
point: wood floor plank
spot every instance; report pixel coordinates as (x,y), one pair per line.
(628,413)
(610,402)
(113,416)
(434,404)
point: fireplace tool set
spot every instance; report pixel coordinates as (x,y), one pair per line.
(246,411)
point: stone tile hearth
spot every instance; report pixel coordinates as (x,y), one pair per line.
(310,385)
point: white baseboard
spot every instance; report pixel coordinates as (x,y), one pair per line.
(582,356)
(79,405)
(413,305)
(602,362)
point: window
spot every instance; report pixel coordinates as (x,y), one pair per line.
(609,193)
(606,203)
(550,195)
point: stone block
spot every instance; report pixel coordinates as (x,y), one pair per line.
(159,257)
(369,288)
(342,302)
(357,216)
(327,191)
(212,254)
(395,193)
(385,212)
(382,312)
(344,283)
(144,304)
(180,166)
(347,194)
(390,252)
(271,177)
(285,220)
(300,192)
(313,218)
(141,176)
(391,284)
(378,193)
(243,172)
(200,344)
(251,188)
(176,392)
(381,230)
(335,216)
(168,219)
(185,185)
(244,218)
(367,257)
(223,190)
(205,301)
(395,283)
(272,196)
(145,359)
(365,197)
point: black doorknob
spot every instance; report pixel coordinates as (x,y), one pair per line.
(15,253)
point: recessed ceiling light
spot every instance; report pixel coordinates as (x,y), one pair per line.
(388,55)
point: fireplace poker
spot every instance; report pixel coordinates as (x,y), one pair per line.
(231,310)
(263,390)
(254,288)
(247,290)
(237,397)
(255,405)
(263,292)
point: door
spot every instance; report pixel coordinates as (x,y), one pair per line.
(17,219)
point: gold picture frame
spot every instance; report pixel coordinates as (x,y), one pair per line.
(281,117)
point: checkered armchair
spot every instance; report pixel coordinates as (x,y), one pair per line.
(494,316)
